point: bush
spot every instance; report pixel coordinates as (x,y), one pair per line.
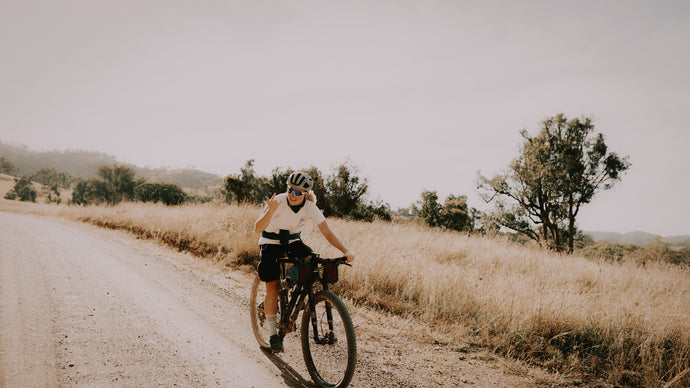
(49,177)
(660,251)
(609,251)
(22,190)
(169,194)
(54,195)
(454,214)
(89,192)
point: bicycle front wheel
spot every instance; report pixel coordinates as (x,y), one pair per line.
(328,345)
(257,314)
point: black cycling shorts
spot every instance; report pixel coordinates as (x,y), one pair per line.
(269,268)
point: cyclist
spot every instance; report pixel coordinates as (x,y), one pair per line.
(280,226)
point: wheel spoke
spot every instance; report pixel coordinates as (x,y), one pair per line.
(330,355)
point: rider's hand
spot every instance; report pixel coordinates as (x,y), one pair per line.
(272,203)
(350,257)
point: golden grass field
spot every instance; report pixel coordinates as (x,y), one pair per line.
(621,323)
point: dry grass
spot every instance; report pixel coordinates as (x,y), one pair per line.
(618,322)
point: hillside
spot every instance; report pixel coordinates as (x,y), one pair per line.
(84,164)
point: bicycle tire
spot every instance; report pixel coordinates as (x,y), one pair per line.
(330,364)
(259,325)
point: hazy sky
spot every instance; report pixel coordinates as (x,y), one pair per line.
(416,94)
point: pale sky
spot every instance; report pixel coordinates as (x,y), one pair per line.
(416,94)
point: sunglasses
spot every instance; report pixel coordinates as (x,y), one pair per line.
(295,192)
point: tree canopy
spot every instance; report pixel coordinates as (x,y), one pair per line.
(560,169)
(454,214)
(23,190)
(117,184)
(341,194)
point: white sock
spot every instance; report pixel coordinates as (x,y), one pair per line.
(271,320)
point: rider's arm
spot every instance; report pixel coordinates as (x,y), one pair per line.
(262,223)
(333,239)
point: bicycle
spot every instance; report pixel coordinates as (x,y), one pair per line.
(327,334)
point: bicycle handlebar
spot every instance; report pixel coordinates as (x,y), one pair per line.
(318,259)
(337,260)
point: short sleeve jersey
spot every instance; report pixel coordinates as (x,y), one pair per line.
(285,218)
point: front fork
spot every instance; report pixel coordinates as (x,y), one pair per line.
(329,336)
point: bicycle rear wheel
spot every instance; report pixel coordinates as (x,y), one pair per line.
(257,314)
(331,357)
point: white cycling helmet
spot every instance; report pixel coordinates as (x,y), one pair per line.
(300,180)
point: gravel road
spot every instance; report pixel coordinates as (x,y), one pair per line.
(80,306)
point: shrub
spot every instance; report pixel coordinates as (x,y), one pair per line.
(22,190)
(169,194)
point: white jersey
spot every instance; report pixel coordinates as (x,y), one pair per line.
(285,218)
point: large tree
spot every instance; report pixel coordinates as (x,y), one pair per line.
(429,208)
(560,169)
(454,214)
(245,187)
(345,190)
(118,183)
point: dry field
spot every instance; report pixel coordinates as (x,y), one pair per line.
(620,323)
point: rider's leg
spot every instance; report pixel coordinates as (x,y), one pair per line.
(271,305)
(271,299)
(271,309)
(269,271)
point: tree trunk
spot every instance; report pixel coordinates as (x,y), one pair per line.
(571,225)
(556,237)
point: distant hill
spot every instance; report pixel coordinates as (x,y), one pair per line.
(84,164)
(637,238)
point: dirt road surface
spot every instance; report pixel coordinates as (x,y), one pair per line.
(83,306)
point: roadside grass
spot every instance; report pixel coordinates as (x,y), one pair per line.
(619,324)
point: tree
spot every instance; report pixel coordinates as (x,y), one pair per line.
(558,171)
(22,190)
(118,183)
(430,209)
(345,191)
(167,193)
(323,201)
(7,167)
(454,214)
(243,188)
(340,195)
(372,211)
(277,183)
(92,191)
(54,195)
(49,178)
